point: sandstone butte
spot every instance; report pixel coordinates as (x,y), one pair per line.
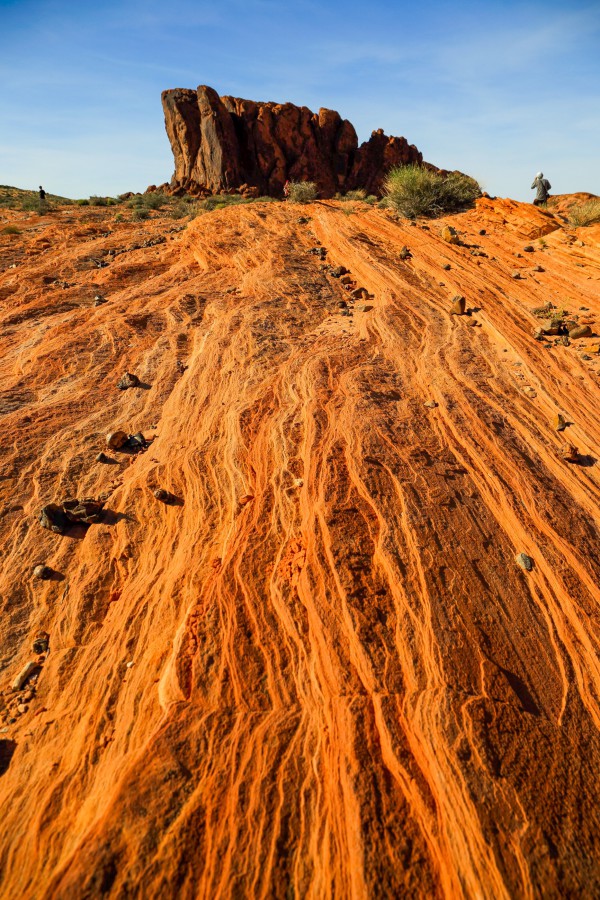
(225,143)
(320,671)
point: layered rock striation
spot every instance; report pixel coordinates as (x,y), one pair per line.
(336,633)
(224,143)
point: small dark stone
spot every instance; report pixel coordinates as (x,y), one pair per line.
(528,249)
(128,380)
(524,561)
(405,253)
(338,271)
(446,266)
(137,441)
(43,572)
(482,231)
(88,510)
(53,518)
(41,642)
(102,458)
(164,496)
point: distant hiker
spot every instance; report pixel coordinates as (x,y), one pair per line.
(42,193)
(286,189)
(543,186)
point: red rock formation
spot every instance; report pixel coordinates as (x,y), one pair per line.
(224,143)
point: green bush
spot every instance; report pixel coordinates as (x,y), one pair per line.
(11,229)
(82,202)
(181,209)
(218,201)
(139,214)
(415,191)
(33,202)
(302,191)
(119,217)
(359,194)
(154,200)
(587,213)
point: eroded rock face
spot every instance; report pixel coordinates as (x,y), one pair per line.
(225,143)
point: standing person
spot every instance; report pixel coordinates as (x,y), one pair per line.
(543,186)
(42,193)
(286,189)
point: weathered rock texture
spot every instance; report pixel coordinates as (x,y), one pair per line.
(224,143)
(320,673)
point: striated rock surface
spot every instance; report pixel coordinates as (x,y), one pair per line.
(224,143)
(357,654)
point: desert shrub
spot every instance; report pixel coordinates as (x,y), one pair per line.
(183,207)
(97,201)
(359,194)
(302,191)
(33,202)
(218,201)
(82,202)
(140,213)
(119,217)
(11,229)
(135,202)
(416,191)
(154,200)
(587,213)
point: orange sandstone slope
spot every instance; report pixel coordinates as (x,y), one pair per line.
(320,671)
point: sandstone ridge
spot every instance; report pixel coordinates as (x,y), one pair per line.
(225,143)
(336,633)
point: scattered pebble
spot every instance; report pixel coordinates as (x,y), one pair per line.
(116,439)
(570,453)
(164,496)
(459,305)
(524,561)
(450,235)
(42,572)
(580,331)
(560,423)
(128,380)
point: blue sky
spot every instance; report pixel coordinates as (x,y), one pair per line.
(497,89)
